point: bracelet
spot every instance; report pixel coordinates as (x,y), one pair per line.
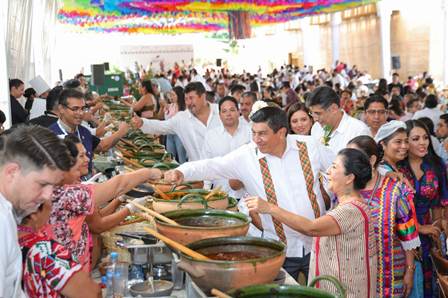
(411,267)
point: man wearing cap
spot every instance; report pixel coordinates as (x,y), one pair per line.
(333,127)
(190,125)
(276,167)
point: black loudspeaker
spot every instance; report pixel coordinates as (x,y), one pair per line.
(396,64)
(106,66)
(218,62)
(60,76)
(97,74)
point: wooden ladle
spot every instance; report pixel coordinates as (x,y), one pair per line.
(153,213)
(177,245)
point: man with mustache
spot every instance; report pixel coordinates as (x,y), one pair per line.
(190,125)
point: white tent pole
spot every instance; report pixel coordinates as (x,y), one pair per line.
(5,104)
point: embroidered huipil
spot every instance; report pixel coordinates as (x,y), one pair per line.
(430,192)
(393,217)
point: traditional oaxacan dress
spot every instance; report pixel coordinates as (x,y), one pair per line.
(430,192)
(47,265)
(393,217)
(349,256)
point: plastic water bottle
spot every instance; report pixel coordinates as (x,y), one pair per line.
(103,286)
(113,261)
(109,283)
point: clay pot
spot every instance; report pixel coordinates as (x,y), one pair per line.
(234,224)
(190,199)
(227,275)
(280,291)
(166,187)
(162,206)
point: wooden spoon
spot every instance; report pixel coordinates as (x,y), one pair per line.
(160,192)
(177,245)
(219,294)
(153,213)
(134,163)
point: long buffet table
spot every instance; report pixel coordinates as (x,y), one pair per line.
(138,150)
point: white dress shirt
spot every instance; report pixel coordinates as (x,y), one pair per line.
(219,142)
(348,129)
(190,130)
(10,254)
(287,176)
(433,114)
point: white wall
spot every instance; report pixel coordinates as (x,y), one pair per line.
(75,52)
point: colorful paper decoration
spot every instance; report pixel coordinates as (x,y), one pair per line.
(174,17)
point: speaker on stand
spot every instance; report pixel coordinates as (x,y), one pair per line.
(98,77)
(396,64)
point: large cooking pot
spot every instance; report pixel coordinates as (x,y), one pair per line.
(198,224)
(190,199)
(287,291)
(265,260)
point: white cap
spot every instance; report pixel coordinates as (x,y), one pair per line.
(388,129)
(39,85)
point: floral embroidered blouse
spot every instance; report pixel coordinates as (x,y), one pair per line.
(47,266)
(67,225)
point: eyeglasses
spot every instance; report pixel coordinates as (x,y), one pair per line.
(379,112)
(78,109)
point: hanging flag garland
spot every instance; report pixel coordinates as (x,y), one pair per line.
(176,17)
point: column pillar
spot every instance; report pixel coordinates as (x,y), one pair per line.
(335,36)
(384,12)
(307,41)
(5,104)
(444,42)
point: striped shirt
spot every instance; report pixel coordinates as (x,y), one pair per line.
(349,256)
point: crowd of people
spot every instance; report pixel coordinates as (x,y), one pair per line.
(348,172)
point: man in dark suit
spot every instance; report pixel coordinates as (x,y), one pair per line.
(50,116)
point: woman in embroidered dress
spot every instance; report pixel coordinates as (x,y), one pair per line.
(344,240)
(49,269)
(394,220)
(427,174)
(74,202)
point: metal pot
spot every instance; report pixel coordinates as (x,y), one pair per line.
(234,224)
(286,291)
(142,254)
(140,191)
(161,288)
(227,275)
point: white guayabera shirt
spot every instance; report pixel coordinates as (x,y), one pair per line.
(287,177)
(190,130)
